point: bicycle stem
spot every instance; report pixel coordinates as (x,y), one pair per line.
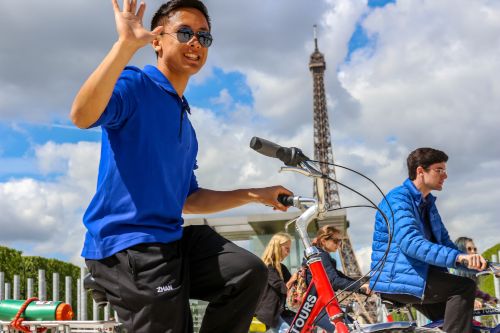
(316,211)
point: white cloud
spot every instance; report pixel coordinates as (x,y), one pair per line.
(47,214)
(225,99)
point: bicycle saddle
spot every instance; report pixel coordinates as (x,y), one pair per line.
(390,304)
(98,293)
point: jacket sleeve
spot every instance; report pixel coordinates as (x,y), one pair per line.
(275,281)
(337,279)
(409,237)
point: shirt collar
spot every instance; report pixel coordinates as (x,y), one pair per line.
(157,76)
(160,79)
(417,195)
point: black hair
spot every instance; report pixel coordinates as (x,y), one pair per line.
(423,157)
(167,9)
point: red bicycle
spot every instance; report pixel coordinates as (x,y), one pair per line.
(324,296)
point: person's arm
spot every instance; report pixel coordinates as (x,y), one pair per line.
(204,201)
(337,279)
(95,93)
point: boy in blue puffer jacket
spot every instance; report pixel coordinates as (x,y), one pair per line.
(421,249)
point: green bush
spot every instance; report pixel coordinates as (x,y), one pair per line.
(12,262)
(486,283)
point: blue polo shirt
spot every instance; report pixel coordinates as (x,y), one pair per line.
(148,156)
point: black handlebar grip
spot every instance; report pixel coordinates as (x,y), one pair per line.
(464,263)
(285,200)
(265,147)
(290,156)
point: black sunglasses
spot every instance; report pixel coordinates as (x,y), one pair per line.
(185,34)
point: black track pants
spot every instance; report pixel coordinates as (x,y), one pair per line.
(149,285)
(446,296)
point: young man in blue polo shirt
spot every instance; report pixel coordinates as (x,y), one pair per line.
(135,245)
(420,250)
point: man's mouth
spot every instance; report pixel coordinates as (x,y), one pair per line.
(192,56)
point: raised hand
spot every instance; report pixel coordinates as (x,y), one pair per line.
(129,24)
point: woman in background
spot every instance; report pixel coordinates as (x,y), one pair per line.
(328,240)
(466,245)
(271,309)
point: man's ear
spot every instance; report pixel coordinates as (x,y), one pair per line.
(156,44)
(420,170)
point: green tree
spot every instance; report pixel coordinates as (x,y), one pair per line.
(486,283)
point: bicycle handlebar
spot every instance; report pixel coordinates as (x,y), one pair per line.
(296,161)
(285,200)
(491,267)
(290,156)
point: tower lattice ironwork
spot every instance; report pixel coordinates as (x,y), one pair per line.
(323,152)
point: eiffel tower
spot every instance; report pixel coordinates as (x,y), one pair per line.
(323,152)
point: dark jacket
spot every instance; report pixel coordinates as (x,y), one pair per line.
(272,301)
(337,279)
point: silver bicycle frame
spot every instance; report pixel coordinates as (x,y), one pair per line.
(312,208)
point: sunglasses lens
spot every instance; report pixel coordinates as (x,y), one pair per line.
(184,35)
(205,38)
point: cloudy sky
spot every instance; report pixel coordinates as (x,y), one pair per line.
(400,74)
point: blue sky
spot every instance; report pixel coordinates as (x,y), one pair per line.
(400,74)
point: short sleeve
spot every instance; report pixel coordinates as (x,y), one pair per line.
(193,185)
(122,102)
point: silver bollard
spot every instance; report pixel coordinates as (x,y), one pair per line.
(83,295)
(42,286)
(496,280)
(106,312)
(67,290)
(55,286)
(2,286)
(30,288)
(16,292)
(78,300)
(7,290)
(95,310)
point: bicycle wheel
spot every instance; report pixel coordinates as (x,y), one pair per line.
(399,327)
(411,330)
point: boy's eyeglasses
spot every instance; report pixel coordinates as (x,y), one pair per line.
(185,34)
(439,171)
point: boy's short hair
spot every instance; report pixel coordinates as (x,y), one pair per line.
(423,157)
(167,9)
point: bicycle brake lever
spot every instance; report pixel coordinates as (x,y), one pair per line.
(298,170)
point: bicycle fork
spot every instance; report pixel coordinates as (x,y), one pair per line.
(313,304)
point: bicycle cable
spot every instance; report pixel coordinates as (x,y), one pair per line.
(376,268)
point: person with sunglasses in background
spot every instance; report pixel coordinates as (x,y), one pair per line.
(136,247)
(415,268)
(466,245)
(328,240)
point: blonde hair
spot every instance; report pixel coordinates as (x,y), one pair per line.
(273,255)
(324,233)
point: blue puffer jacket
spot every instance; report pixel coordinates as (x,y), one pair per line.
(410,254)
